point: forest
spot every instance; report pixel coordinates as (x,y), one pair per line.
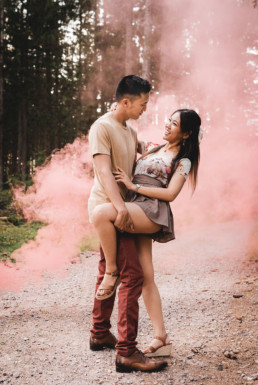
(59,63)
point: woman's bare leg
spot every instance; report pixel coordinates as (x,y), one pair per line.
(150,291)
(103,219)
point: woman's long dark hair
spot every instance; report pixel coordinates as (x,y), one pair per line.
(190,123)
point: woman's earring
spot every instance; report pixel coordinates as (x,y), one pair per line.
(183,142)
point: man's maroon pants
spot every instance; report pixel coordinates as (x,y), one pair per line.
(131,275)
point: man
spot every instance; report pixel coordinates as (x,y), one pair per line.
(114,144)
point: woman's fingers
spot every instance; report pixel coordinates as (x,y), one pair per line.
(118,179)
(120,170)
(119,176)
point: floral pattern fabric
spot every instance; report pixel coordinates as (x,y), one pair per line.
(159,166)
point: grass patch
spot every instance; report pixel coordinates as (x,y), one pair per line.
(12,237)
(14,230)
(90,242)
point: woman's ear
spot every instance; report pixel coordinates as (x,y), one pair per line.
(187,134)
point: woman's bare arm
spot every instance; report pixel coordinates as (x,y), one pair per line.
(165,194)
(139,146)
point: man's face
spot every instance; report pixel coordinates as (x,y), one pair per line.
(137,106)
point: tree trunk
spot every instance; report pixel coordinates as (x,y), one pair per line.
(79,115)
(146,66)
(22,108)
(57,103)
(128,37)
(22,140)
(57,129)
(1,94)
(48,131)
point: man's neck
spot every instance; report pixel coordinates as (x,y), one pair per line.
(120,116)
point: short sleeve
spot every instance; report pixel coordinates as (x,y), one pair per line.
(183,167)
(99,140)
(147,146)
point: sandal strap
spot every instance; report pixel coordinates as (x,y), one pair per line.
(150,349)
(113,273)
(109,287)
(107,290)
(162,339)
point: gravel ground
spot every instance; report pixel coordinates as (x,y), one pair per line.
(207,284)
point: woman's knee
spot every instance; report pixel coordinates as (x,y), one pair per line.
(102,214)
(97,215)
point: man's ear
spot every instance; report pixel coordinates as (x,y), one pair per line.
(125,102)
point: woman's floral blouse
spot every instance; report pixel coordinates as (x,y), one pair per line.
(159,166)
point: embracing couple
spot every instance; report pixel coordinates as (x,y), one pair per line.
(129,207)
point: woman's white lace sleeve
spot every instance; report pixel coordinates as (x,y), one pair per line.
(184,167)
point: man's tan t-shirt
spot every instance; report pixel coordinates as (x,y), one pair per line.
(107,136)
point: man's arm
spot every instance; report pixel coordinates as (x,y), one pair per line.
(103,165)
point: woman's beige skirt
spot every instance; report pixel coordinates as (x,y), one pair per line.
(156,210)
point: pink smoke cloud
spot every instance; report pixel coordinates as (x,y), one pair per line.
(206,66)
(59,198)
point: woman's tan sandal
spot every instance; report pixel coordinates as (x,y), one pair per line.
(162,351)
(105,292)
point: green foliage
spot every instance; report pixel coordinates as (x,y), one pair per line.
(5,199)
(14,231)
(16,180)
(12,237)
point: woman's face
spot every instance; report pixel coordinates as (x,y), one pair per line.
(173,132)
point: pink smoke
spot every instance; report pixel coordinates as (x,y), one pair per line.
(205,65)
(209,63)
(227,187)
(59,198)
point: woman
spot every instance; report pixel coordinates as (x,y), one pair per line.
(158,178)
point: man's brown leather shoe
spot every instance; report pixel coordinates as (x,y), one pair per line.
(138,362)
(107,342)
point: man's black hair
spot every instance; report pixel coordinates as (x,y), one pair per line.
(132,85)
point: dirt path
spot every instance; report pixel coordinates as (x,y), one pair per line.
(45,330)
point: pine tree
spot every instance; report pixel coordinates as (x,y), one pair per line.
(1,92)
